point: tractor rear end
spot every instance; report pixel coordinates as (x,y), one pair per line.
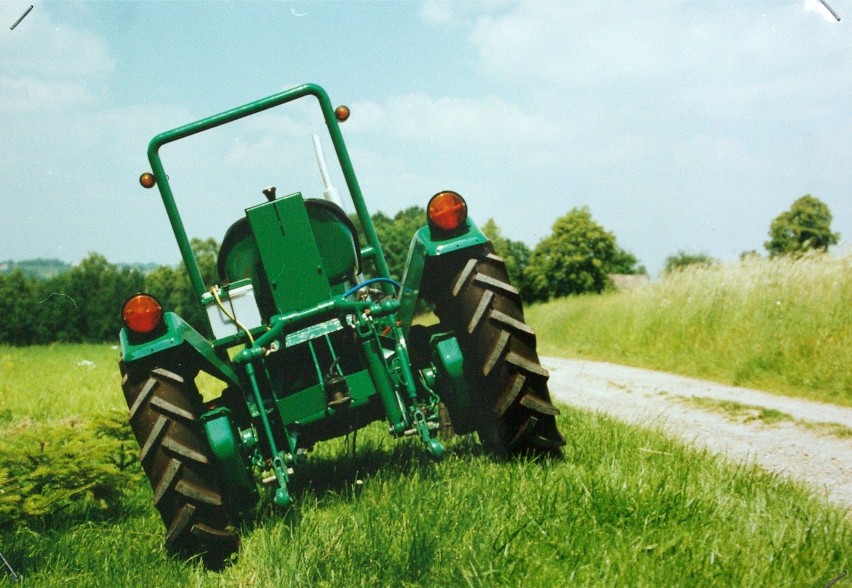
(308,349)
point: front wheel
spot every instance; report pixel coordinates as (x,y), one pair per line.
(164,410)
(473,297)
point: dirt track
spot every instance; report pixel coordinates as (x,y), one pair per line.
(652,398)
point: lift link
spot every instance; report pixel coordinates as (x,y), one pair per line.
(279,467)
(436,449)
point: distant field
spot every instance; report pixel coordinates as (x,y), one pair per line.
(58,381)
(625,506)
(779,325)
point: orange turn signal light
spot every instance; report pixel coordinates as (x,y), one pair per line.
(147,180)
(447,211)
(342,113)
(142,313)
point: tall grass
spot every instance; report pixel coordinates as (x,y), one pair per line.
(779,324)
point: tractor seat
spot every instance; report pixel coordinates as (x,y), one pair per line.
(336,238)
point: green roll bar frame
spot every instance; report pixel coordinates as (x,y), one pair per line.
(372,250)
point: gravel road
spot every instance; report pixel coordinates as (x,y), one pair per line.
(791,447)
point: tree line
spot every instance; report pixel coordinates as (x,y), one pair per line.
(83,304)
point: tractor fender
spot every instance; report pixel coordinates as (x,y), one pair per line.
(426,245)
(177,345)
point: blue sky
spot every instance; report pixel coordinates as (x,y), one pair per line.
(681,125)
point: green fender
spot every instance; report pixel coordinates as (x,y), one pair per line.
(426,245)
(179,344)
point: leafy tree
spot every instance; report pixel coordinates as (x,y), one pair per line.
(97,290)
(172,288)
(36,268)
(17,305)
(82,304)
(682,259)
(574,259)
(395,236)
(56,312)
(806,226)
(625,262)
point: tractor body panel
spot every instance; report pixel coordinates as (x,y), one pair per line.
(289,254)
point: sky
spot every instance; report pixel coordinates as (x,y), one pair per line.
(682,126)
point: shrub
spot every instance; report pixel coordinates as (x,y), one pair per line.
(67,466)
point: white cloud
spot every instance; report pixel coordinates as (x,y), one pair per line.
(635,109)
(588,46)
(367,116)
(426,119)
(556,42)
(244,151)
(421,117)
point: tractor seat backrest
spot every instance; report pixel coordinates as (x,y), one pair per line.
(335,237)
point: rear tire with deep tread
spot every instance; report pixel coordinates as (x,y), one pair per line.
(473,296)
(164,410)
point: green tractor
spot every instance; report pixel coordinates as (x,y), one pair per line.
(308,349)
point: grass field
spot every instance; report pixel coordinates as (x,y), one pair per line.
(780,325)
(624,507)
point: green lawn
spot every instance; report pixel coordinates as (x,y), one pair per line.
(625,506)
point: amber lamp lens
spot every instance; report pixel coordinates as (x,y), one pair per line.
(447,210)
(147,180)
(142,313)
(342,113)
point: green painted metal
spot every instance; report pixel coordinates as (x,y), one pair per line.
(451,383)
(179,338)
(418,418)
(289,254)
(372,248)
(336,244)
(329,309)
(305,406)
(301,259)
(425,245)
(243,261)
(309,406)
(279,466)
(374,354)
(235,467)
(312,332)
